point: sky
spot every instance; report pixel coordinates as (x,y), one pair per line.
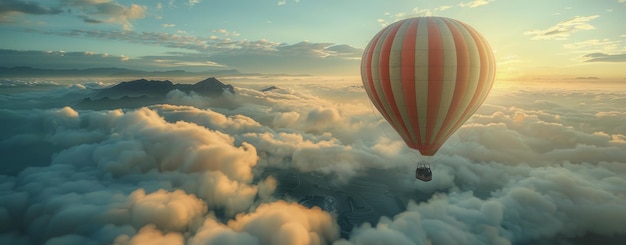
(531,39)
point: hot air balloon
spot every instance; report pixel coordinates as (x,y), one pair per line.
(427,76)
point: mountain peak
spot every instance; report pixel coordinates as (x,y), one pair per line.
(143,84)
(269,89)
(211,81)
(209,86)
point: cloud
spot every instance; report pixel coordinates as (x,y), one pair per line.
(522,211)
(260,56)
(107,11)
(391,18)
(176,209)
(16,6)
(304,48)
(299,58)
(534,165)
(273,223)
(443,7)
(193,2)
(221,183)
(593,45)
(345,50)
(563,29)
(9,9)
(150,235)
(151,38)
(221,50)
(63,59)
(283,2)
(90,11)
(475,3)
(226,32)
(218,46)
(602,57)
(284,223)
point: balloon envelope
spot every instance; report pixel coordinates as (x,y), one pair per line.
(427,76)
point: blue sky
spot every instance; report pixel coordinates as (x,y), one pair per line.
(563,39)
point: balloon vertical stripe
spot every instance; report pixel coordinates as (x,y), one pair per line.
(408,81)
(462,76)
(435,77)
(385,81)
(479,67)
(449,78)
(395,74)
(421,77)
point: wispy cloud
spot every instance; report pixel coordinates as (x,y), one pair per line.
(60,59)
(300,58)
(391,17)
(193,2)
(416,12)
(593,45)
(260,56)
(474,3)
(107,11)
(226,32)
(9,9)
(90,11)
(283,2)
(420,12)
(221,45)
(563,29)
(602,57)
(150,38)
(10,6)
(444,7)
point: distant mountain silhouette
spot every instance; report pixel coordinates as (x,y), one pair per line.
(25,71)
(269,88)
(210,86)
(142,92)
(141,87)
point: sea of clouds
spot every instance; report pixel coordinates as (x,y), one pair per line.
(534,165)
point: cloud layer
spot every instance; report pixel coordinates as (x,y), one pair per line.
(532,166)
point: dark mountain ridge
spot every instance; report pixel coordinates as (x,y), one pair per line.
(156,88)
(143,92)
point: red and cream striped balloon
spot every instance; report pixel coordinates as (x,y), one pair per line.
(427,76)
